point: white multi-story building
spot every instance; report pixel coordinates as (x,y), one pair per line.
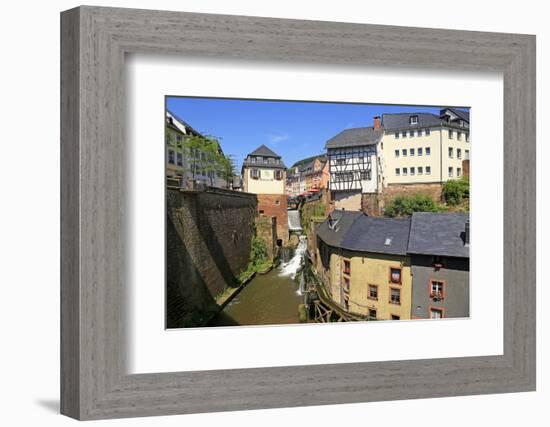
(422,148)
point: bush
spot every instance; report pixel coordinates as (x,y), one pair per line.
(258,252)
(406,205)
(455,191)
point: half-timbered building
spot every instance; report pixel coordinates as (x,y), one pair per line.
(354,165)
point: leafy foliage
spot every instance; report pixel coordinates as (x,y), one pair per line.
(311,210)
(259,261)
(258,252)
(406,205)
(455,191)
(227,168)
(204,154)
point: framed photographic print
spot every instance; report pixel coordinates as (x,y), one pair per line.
(292,213)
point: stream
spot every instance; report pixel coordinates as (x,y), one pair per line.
(268,299)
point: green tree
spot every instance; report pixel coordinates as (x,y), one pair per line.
(455,191)
(203,153)
(212,158)
(227,168)
(258,251)
(193,145)
(406,205)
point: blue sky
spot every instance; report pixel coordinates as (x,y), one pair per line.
(293,129)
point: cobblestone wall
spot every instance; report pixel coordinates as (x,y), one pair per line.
(266,229)
(208,237)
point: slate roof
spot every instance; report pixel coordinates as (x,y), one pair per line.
(307,168)
(464,115)
(263,151)
(425,233)
(341,221)
(398,121)
(378,235)
(302,162)
(438,234)
(183,123)
(355,137)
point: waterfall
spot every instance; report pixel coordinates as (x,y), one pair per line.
(291,267)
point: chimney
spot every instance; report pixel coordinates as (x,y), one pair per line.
(377,122)
(467,233)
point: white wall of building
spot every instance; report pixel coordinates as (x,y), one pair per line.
(351,164)
(266,183)
(416,149)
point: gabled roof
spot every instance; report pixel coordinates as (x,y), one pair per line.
(464,115)
(398,121)
(334,229)
(355,137)
(262,150)
(182,124)
(378,235)
(439,234)
(425,233)
(302,162)
(265,152)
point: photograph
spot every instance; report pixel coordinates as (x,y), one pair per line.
(292,212)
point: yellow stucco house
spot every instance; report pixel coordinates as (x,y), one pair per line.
(363,264)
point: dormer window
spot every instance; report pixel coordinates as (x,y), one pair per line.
(253,159)
(413,120)
(332,222)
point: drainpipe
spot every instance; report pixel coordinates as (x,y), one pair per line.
(441,155)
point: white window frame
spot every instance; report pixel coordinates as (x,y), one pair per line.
(434,310)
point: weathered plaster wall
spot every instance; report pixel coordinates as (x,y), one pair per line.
(266,229)
(275,205)
(456,278)
(347,200)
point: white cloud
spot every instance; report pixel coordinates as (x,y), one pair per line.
(275,138)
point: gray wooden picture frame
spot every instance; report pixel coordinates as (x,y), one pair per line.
(94,382)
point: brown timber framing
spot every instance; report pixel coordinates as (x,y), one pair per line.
(95,382)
